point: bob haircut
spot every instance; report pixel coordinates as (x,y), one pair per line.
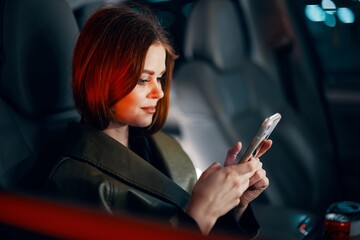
(109,58)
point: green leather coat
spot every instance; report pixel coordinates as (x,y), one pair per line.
(96,170)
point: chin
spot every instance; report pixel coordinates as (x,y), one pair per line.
(143,125)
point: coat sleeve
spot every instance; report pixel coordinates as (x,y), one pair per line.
(226,226)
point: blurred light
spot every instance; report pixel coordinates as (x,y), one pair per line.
(345,15)
(330,19)
(314,13)
(329,6)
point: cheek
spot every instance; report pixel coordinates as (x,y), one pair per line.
(127,105)
(124,106)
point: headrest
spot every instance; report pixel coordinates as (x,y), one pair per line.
(38,41)
(214,34)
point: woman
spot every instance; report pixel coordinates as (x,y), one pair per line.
(118,160)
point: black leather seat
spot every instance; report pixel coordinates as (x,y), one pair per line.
(36,103)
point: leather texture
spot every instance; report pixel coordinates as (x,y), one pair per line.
(122,178)
(97,171)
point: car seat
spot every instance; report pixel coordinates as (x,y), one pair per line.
(222,97)
(37,41)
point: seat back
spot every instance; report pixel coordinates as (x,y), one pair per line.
(222,97)
(37,40)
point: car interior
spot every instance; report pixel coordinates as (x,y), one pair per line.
(36,99)
(240,61)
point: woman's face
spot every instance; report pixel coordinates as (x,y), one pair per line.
(138,107)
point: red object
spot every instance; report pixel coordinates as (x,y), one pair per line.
(336,227)
(63,221)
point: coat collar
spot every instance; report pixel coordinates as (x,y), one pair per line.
(97,148)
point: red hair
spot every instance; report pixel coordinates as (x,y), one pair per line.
(109,58)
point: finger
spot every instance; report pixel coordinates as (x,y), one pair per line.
(258,176)
(232,154)
(248,168)
(266,145)
(211,169)
(261,185)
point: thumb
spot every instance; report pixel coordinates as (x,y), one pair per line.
(232,154)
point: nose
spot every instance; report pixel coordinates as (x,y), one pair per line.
(156,91)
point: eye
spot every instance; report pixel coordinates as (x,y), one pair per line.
(143,81)
(160,79)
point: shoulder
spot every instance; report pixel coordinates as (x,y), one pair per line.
(69,166)
(76,181)
(70,173)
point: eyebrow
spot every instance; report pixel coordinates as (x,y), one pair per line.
(152,72)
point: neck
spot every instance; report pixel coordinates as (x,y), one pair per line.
(118,132)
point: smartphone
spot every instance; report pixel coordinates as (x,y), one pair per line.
(263,133)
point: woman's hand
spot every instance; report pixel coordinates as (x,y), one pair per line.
(257,183)
(219,189)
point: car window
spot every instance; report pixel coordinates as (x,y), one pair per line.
(335,30)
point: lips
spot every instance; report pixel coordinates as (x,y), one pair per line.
(149,110)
